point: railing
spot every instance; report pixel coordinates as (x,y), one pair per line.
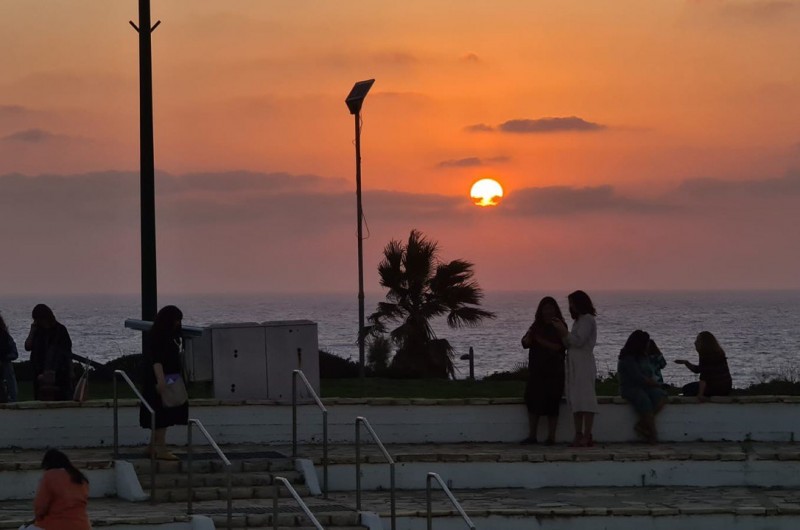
(456,504)
(303,506)
(189,449)
(144,402)
(295,374)
(362,420)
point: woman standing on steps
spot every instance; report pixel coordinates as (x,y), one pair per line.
(545,370)
(163,386)
(581,367)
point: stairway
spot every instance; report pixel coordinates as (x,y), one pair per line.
(252,490)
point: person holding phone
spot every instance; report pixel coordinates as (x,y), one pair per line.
(51,356)
(715,377)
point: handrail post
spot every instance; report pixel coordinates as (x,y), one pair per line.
(145,404)
(301,375)
(116,419)
(358,464)
(189,484)
(294,414)
(428,501)
(393,506)
(275,493)
(230,501)
(325,454)
(153,458)
(450,496)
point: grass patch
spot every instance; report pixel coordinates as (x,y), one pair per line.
(420,388)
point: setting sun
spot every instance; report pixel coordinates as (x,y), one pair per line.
(486,192)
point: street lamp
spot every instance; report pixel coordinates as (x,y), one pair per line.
(354,101)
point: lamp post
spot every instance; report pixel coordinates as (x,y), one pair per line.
(354,101)
(147,208)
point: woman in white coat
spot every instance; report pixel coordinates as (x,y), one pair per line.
(581,368)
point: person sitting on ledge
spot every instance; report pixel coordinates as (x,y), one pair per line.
(62,495)
(639,386)
(715,377)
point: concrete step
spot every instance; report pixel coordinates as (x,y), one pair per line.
(221,493)
(649,508)
(219,480)
(215,466)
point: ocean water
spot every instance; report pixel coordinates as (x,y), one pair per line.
(758,330)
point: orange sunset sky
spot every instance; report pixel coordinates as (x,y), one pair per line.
(641,144)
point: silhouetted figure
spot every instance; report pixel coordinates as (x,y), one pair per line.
(638,384)
(581,367)
(51,356)
(8,354)
(62,495)
(162,367)
(545,370)
(715,377)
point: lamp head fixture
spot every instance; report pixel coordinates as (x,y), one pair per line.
(356,97)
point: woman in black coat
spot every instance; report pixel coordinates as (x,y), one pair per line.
(545,370)
(163,367)
(51,356)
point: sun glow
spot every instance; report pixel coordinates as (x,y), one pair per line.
(486,192)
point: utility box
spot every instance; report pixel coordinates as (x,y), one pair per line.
(251,360)
(291,345)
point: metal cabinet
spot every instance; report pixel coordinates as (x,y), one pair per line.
(249,360)
(239,363)
(291,345)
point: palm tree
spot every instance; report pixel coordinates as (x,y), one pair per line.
(421,288)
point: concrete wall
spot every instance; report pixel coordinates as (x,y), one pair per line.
(35,425)
(482,475)
(689,522)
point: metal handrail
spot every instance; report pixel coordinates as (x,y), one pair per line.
(190,487)
(295,374)
(432,475)
(303,506)
(362,420)
(143,401)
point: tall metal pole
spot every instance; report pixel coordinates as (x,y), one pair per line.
(147,166)
(360,250)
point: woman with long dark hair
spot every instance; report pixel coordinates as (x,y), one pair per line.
(639,385)
(51,356)
(62,495)
(715,377)
(8,353)
(545,370)
(581,367)
(163,369)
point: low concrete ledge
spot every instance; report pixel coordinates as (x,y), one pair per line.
(735,418)
(386,402)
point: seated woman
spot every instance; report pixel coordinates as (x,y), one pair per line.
(62,495)
(715,377)
(638,386)
(656,360)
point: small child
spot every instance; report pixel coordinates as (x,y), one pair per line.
(656,360)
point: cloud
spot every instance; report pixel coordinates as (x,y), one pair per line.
(539,126)
(704,188)
(31,136)
(749,11)
(471,58)
(13,111)
(549,125)
(479,127)
(566,200)
(472,161)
